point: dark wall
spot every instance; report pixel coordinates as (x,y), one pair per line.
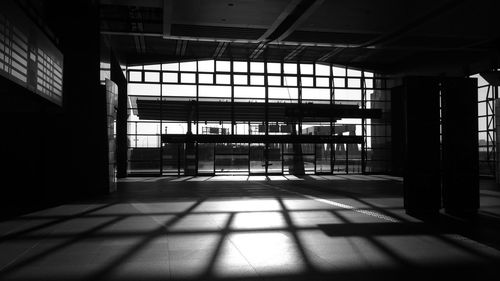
(34,147)
(57,154)
(84,99)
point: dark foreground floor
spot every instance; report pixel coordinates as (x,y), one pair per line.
(251,228)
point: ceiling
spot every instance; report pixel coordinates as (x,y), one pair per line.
(389,36)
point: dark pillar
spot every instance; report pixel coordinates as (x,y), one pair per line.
(460,142)
(422,185)
(84,100)
(397,131)
(121,118)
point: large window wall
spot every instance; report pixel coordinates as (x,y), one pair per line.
(233,84)
(487,94)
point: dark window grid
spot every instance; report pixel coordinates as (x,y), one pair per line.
(259,74)
(249,85)
(350,101)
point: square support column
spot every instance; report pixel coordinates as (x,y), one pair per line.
(460,145)
(422,184)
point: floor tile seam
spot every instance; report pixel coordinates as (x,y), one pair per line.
(12,262)
(163,226)
(336,204)
(39,241)
(228,238)
(27,222)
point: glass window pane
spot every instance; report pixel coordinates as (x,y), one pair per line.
(347,94)
(223,79)
(353,73)
(316,94)
(338,71)
(482,93)
(257,67)
(274,80)
(188,78)
(307,81)
(169,77)
(179,90)
(240,79)
(353,83)
(257,80)
(206,66)
(273,67)
(206,78)
(143,89)
(482,123)
(306,68)
(322,82)
(188,66)
(368,83)
(152,76)
(290,68)
(290,81)
(223,66)
(284,94)
(240,66)
(215,91)
(135,76)
(339,82)
(152,67)
(322,70)
(481,108)
(170,66)
(250,92)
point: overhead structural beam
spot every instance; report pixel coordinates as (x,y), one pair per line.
(180,49)
(295,13)
(221,48)
(330,54)
(295,52)
(167,17)
(257,51)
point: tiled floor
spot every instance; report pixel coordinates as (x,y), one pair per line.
(250,228)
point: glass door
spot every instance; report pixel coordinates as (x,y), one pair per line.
(340,159)
(206,158)
(231,158)
(173,159)
(323,158)
(274,161)
(257,158)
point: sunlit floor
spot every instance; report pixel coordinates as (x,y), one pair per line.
(250,228)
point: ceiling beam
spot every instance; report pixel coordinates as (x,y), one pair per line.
(258,50)
(330,54)
(180,50)
(221,48)
(295,52)
(295,13)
